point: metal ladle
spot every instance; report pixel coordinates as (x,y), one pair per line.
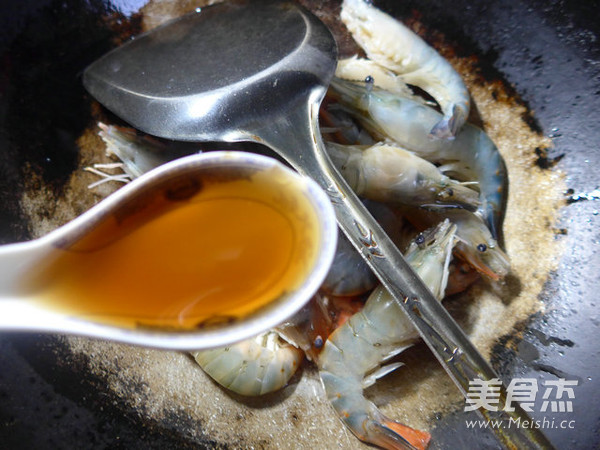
(258,71)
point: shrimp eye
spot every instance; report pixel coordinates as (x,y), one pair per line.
(420,239)
(369,79)
(318,342)
(446,193)
(482,247)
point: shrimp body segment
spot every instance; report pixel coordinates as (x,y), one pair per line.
(406,122)
(387,173)
(252,367)
(351,358)
(394,46)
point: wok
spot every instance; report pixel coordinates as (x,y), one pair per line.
(544,54)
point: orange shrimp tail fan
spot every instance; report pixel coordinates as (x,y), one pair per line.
(392,435)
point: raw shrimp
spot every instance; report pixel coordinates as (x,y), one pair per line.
(252,367)
(351,358)
(388,173)
(392,45)
(406,122)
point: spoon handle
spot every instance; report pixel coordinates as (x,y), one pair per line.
(291,138)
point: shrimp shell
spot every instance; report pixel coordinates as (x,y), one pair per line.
(387,173)
(252,367)
(406,122)
(392,45)
(351,358)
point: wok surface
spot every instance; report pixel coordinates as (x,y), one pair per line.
(547,51)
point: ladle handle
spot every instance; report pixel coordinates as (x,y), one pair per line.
(445,338)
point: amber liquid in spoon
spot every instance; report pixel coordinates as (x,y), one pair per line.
(188,257)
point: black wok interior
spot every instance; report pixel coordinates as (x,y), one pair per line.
(547,51)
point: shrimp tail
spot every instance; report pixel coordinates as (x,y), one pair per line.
(445,128)
(369,424)
(494,213)
(493,219)
(449,125)
(390,434)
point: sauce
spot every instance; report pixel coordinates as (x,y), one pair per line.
(207,252)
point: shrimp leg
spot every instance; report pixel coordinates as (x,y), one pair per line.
(392,45)
(353,353)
